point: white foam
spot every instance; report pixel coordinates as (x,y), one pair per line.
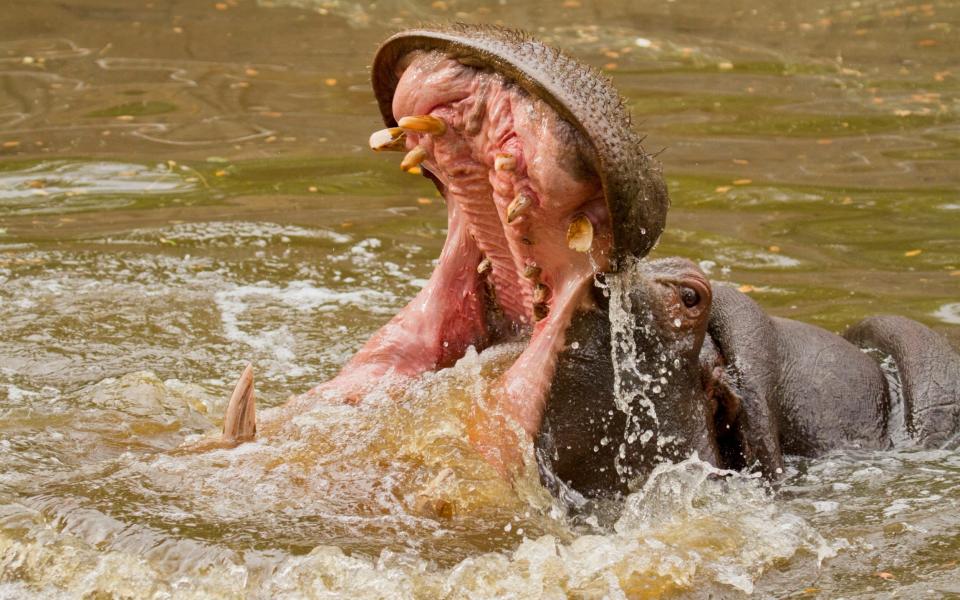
(825,506)
(949,313)
(16,394)
(300,296)
(235,233)
(94,177)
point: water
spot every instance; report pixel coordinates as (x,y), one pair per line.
(185,187)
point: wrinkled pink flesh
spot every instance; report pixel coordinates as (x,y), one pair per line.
(448,315)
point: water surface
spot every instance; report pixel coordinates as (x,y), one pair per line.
(185,186)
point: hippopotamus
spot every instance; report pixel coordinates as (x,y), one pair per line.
(706,370)
(550,197)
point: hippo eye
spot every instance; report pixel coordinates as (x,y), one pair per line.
(689,297)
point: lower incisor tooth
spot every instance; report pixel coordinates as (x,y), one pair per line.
(413,158)
(580,234)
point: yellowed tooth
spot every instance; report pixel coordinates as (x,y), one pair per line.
(484,266)
(540,293)
(505,161)
(392,138)
(519,206)
(580,234)
(423,124)
(540,311)
(240,420)
(413,158)
(532,271)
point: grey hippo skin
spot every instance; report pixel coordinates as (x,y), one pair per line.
(741,388)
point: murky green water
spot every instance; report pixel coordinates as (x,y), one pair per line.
(185,186)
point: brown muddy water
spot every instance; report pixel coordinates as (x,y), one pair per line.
(184,186)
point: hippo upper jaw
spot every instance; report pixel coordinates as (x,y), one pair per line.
(631,183)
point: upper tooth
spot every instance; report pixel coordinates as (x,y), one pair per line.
(519,206)
(540,311)
(484,266)
(505,162)
(532,271)
(413,158)
(423,124)
(540,293)
(580,234)
(391,138)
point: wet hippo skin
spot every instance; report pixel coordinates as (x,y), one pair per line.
(755,388)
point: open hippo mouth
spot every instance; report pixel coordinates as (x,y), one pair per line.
(546,185)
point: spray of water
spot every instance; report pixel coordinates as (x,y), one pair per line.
(640,373)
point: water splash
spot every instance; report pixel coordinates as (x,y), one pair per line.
(340,508)
(634,386)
